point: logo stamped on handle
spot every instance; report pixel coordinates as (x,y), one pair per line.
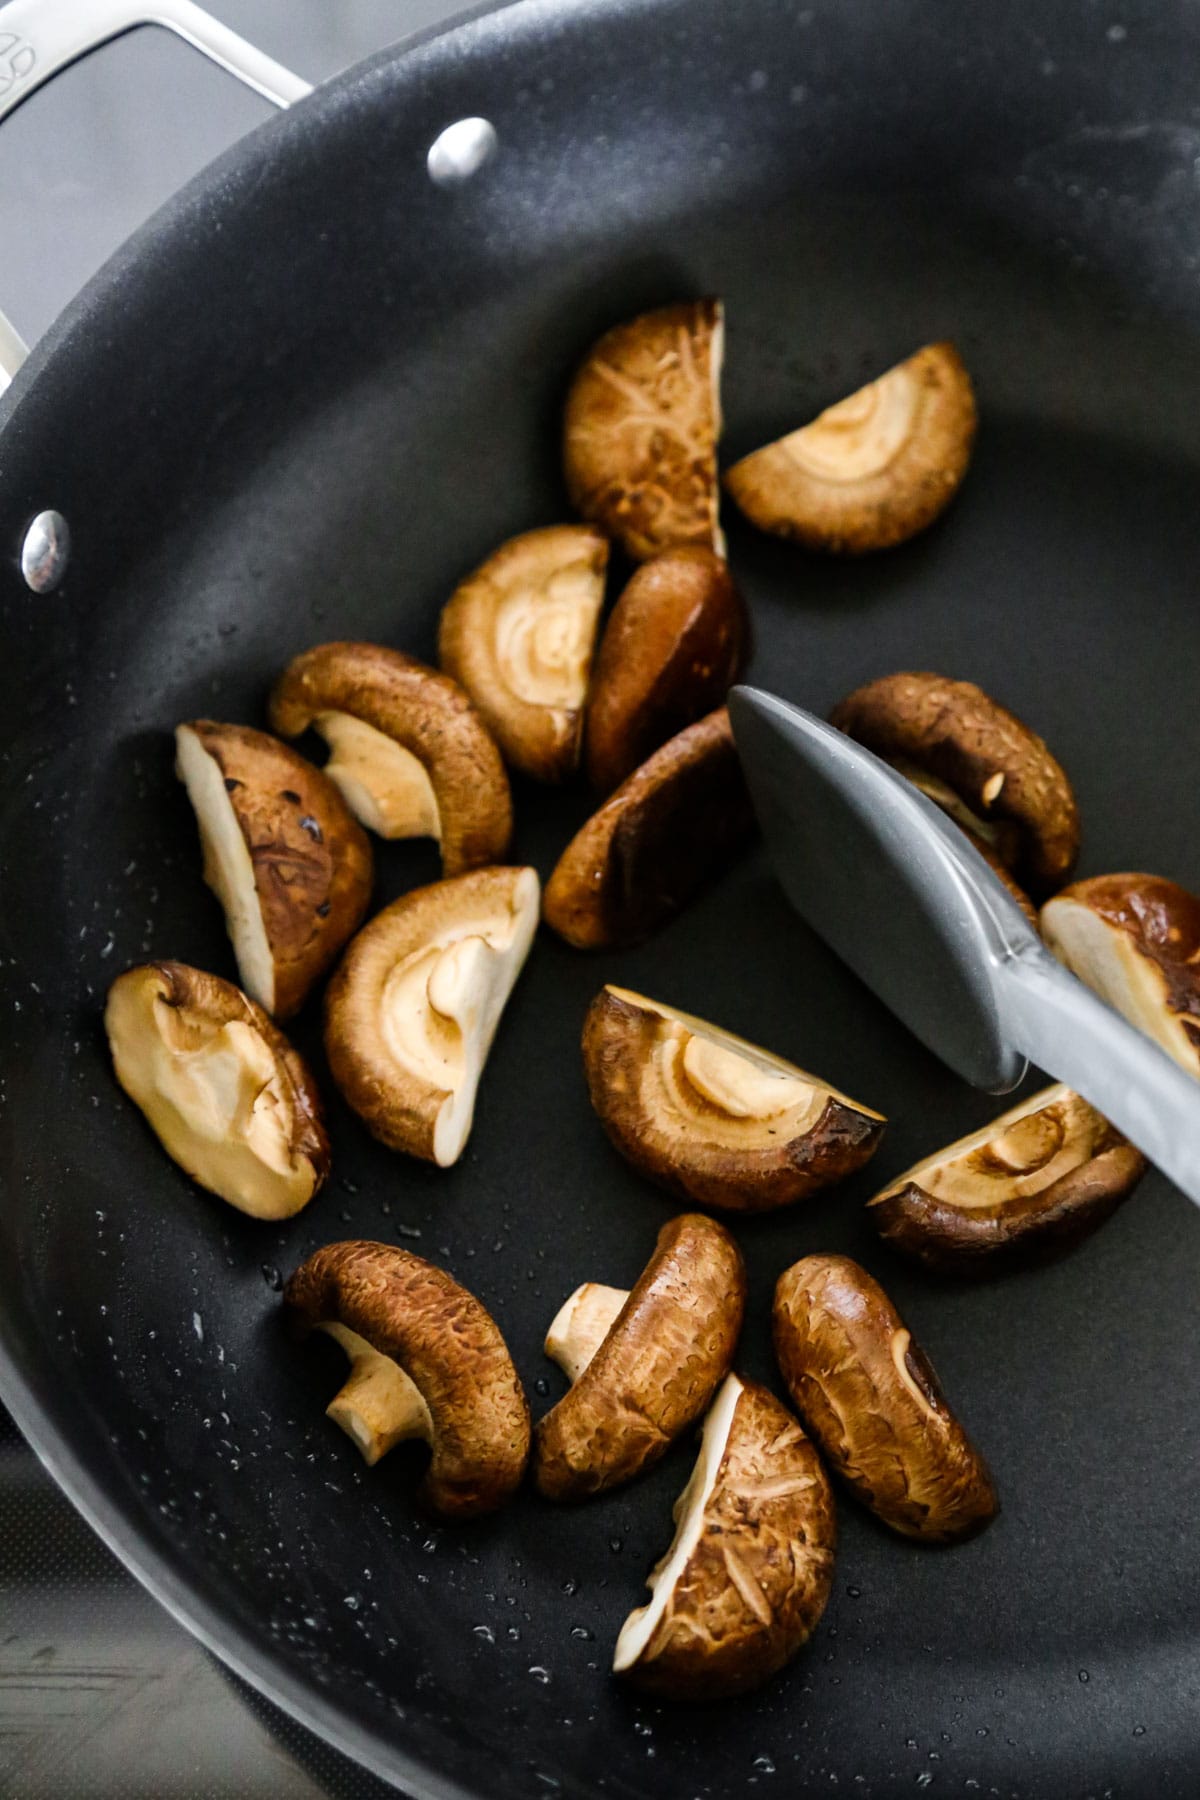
(17,59)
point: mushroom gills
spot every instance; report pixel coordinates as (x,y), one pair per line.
(385,786)
(952,804)
(581,1324)
(1107,960)
(1025,1150)
(544,638)
(228,866)
(378,1406)
(858,436)
(690,1508)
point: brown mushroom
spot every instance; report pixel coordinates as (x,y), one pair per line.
(642,421)
(1033,1183)
(414,1004)
(1135,939)
(873,470)
(711,1117)
(872,1401)
(667,832)
(977,761)
(643,1365)
(671,650)
(282,854)
(220,1086)
(457,1387)
(747,1577)
(519,635)
(410,753)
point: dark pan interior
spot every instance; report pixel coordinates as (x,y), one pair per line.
(301,405)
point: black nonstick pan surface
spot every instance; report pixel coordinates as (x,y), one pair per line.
(303,402)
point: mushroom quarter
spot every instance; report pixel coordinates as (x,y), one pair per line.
(671,650)
(409,752)
(282,853)
(748,1575)
(413,1007)
(873,470)
(519,634)
(711,1117)
(643,1365)
(669,830)
(1135,940)
(454,1384)
(643,417)
(1033,1183)
(976,760)
(870,1398)
(220,1086)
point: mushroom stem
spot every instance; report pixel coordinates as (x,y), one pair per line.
(581,1324)
(378,1407)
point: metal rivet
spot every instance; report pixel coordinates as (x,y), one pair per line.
(461,151)
(46,552)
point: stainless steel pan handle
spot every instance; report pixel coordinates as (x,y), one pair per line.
(40,37)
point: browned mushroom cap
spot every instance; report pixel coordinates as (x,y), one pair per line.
(645,1364)
(748,1575)
(228,1098)
(410,753)
(670,652)
(870,1398)
(976,760)
(519,635)
(711,1117)
(1034,1182)
(412,1009)
(642,421)
(873,470)
(1135,939)
(473,1412)
(673,826)
(282,854)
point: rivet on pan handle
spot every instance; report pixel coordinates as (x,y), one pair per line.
(40,37)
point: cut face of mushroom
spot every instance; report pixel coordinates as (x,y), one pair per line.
(868,1395)
(224,1092)
(873,470)
(668,830)
(644,1365)
(709,1116)
(428,1361)
(519,635)
(748,1574)
(409,752)
(281,853)
(979,763)
(1135,940)
(670,652)
(643,418)
(1031,1184)
(412,1009)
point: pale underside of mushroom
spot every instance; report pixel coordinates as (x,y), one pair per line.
(1023,1152)
(378,1406)
(952,804)
(385,786)
(581,1324)
(860,435)
(228,866)
(544,635)
(1107,960)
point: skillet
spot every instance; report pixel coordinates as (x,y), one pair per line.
(306,398)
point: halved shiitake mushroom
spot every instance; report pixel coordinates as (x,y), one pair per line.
(872,1401)
(412,1009)
(427,1361)
(986,769)
(642,421)
(228,1098)
(643,1365)
(748,1574)
(411,755)
(519,635)
(873,470)
(670,652)
(1034,1182)
(667,831)
(711,1117)
(282,853)
(1135,940)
